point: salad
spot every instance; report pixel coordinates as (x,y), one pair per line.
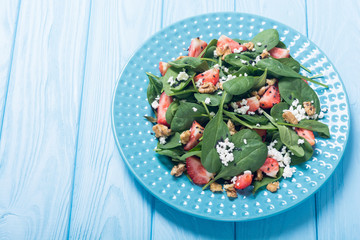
(235,114)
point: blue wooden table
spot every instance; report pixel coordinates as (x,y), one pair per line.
(61,175)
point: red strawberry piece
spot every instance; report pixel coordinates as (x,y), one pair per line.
(164,103)
(305,80)
(243,180)
(279,53)
(253,103)
(225,41)
(211,75)
(163,67)
(196,132)
(307,134)
(270,97)
(196,47)
(262,133)
(270,167)
(196,171)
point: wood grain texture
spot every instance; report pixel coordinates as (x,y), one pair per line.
(167,222)
(108,202)
(335,29)
(299,221)
(37,147)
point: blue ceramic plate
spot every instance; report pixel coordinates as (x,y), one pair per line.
(136,144)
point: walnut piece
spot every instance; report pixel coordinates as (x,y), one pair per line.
(223,51)
(262,90)
(207,87)
(309,108)
(178,170)
(249,45)
(289,117)
(185,137)
(230,190)
(161,130)
(216,187)
(271,82)
(180,57)
(231,127)
(264,54)
(259,175)
(273,187)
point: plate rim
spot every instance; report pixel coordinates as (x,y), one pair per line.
(199,215)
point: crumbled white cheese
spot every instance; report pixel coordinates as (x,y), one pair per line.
(245,141)
(301,141)
(253,49)
(155,104)
(212,114)
(199,82)
(259,44)
(215,54)
(251,113)
(247,172)
(245,74)
(321,115)
(207,100)
(182,76)
(225,151)
(243,61)
(162,140)
(233,180)
(299,112)
(260,111)
(283,158)
(229,77)
(236,57)
(225,69)
(242,109)
(194,109)
(258,125)
(288,171)
(239,50)
(171,81)
(216,66)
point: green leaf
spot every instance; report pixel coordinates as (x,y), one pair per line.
(154,87)
(295,88)
(277,111)
(313,125)
(279,144)
(266,180)
(189,154)
(215,98)
(239,85)
(151,119)
(171,142)
(260,81)
(268,38)
(185,115)
(308,153)
(290,62)
(254,119)
(290,139)
(174,153)
(239,60)
(234,118)
(192,63)
(170,112)
(208,52)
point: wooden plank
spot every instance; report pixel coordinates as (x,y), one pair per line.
(108,202)
(300,221)
(37,147)
(9,13)
(169,223)
(337,202)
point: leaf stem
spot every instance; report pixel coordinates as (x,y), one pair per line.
(305,68)
(316,82)
(206,109)
(234,118)
(317,76)
(208,59)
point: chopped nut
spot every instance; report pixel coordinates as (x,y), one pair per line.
(271,82)
(185,137)
(254,93)
(161,130)
(230,190)
(178,170)
(180,57)
(231,127)
(273,187)
(264,54)
(220,85)
(259,175)
(249,45)
(223,51)
(309,108)
(207,87)
(262,90)
(215,187)
(289,117)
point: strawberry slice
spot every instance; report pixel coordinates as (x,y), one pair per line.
(307,134)
(279,53)
(270,97)
(262,133)
(196,47)
(244,180)
(253,103)
(211,75)
(270,167)
(196,132)
(196,171)
(225,41)
(164,103)
(163,67)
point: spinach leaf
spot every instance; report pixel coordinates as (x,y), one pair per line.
(277,111)
(260,81)
(266,180)
(291,88)
(189,154)
(279,144)
(174,153)
(290,62)
(239,60)
(254,119)
(185,93)
(185,115)
(313,125)
(170,112)
(268,38)
(171,72)
(151,119)
(235,119)
(215,98)
(171,142)
(208,52)
(154,88)
(239,85)
(216,130)
(290,139)
(308,154)
(193,63)
(277,68)
(281,45)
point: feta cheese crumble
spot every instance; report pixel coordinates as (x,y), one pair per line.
(258,125)
(233,180)
(225,69)
(288,171)
(283,158)
(299,112)
(207,100)
(216,66)
(199,82)
(182,76)
(162,140)
(194,109)
(215,54)
(155,103)
(239,50)
(301,141)
(243,107)
(171,81)
(212,114)
(245,141)
(225,150)
(259,44)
